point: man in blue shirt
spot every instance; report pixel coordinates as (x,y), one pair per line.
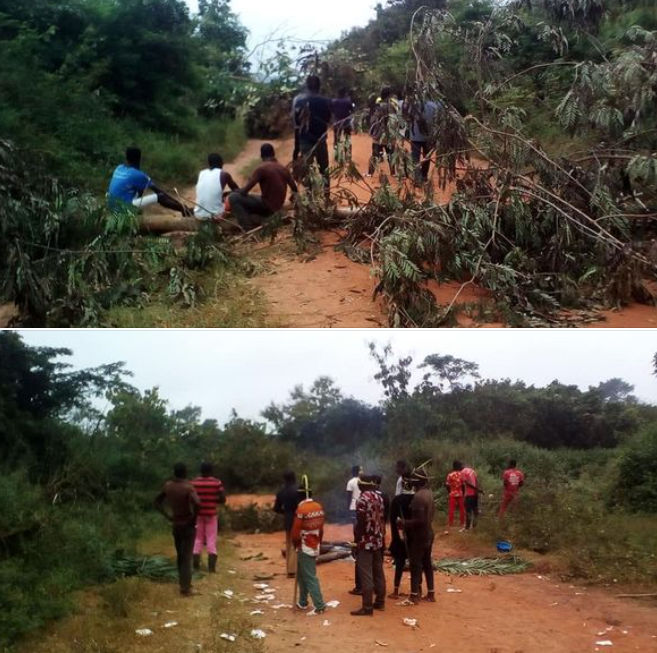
(312,117)
(128,184)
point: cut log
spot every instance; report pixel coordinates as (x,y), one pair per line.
(334,555)
(158,224)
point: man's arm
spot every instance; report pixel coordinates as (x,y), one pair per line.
(194,503)
(278,505)
(221,495)
(159,505)
(253,180)
(228,180)
(290,182)
(359,528)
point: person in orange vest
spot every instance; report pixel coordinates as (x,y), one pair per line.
(513,479)
(307,534)
(454,485)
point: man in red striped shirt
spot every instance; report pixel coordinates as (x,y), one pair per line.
(210,491)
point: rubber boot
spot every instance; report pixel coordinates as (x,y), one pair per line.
(197,561)
(212,562)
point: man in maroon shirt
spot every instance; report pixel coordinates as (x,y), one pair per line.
(274,179)
(210,491)
(183,502)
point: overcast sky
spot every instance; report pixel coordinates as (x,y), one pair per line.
(246,369)
(301,19)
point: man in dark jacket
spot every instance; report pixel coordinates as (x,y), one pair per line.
(287,500)
(312,117)
(400,508)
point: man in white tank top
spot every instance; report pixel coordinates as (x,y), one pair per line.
(209,189)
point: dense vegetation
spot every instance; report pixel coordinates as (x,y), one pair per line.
(556,102)
(78,482)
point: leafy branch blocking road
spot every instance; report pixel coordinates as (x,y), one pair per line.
(554,167)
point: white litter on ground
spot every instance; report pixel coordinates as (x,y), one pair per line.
(254,612)
(256,633)
(409,622)
(144,632)
(326,622)
(170,624)
(281,605)
(265,597)
(269,590)
(451,590)
(332,604)
(604,642)
(231,571)
(226,636)
(260,586)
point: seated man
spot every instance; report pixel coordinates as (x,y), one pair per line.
(210,188)
(128,184)
(251,210)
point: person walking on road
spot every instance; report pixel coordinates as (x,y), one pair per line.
(183,502)
(454,486)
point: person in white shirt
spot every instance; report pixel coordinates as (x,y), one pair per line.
(402,469)
(354,494)
(210,189)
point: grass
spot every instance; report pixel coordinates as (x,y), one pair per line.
(107,616)
(227,300)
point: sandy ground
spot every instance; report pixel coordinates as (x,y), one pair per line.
(532,612)
(326,289)
(525,613)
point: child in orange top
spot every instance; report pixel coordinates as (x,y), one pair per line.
(307,534)
(454,485)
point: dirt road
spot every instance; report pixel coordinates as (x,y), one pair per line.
(532,612)
(528,613)
(326,289)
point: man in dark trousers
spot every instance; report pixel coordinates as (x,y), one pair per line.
(274,180)
(312,117)
(420,535)
(342,108)
(286,503)
(400,508)
(183,502)
(370,537)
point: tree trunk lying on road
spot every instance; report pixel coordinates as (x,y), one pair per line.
(159,224)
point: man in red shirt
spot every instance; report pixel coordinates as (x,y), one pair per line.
(370,540)
(274,180)
(454,485)
(210,491)
(183,502)
(472,492)
(513,479)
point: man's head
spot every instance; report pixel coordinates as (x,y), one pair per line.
(133,156)
(180,470)
(356,470)
(512,462)
(457,465)
(313,84)
(206,469)
(386,92)
(377,480)
(215,161)
(401,467)
(290,478)
(267,152)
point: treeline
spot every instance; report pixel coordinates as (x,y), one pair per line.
(77,483)
(80,80)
